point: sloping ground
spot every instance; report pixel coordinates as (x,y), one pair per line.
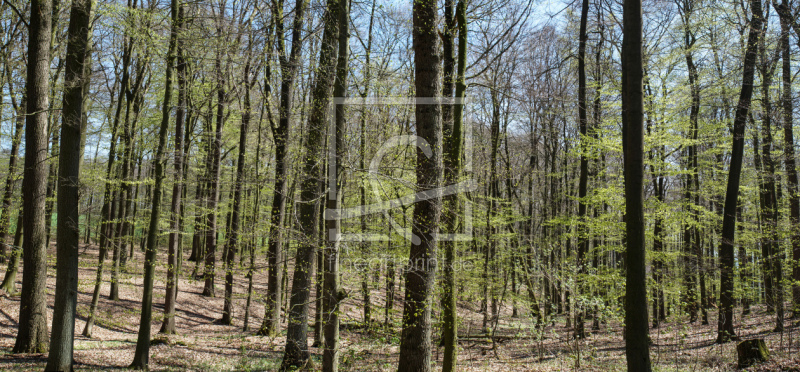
(202,344)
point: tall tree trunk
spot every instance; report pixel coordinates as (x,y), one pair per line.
(415,340)
(332,291)
(725,330)
(256,216)
(296,351)
(32,336)
(69,165)
(171,292)
(769,207)
(141,358)
(452,138)
(788,153)
(365,290)
(233,242)
(583,238)
(104,227)
(280,135)
(637,342)
(214,175)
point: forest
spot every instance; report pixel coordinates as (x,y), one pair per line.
(426,185)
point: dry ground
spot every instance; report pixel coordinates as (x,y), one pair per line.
(202,344)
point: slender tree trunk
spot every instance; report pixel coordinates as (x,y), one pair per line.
(452,172)
(213,183)
(51,177)
(296,351)
(725,330)
(9,280)
(13,168)
(769,207)
(232,245)
(789,154)
(171,293)
(280,135)
(256,217)
(141,358)
(583,238)
(365,285)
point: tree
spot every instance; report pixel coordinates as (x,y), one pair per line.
(453,136)
(233,242)
(142,357)
(171,293)
(280,133)
(415,340)
(332,291)
(11,180)
(725,330)
(33,334)
(637,342)
(213,166)
(8,190)
(296,351)
(69,165)
(583,239)
(788,150)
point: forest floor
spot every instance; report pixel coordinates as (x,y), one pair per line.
(203,344)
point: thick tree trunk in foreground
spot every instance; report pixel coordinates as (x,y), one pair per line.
(142,357)
(69,164)
(32,336)
(725,330)
(637,341)
(415,340)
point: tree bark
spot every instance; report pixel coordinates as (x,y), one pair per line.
(415,340)
(69,164)
(789,154)
(32,336)
(171,292)
(280,135)
(583,238)
(214,179)
(296,351)
(13,168)
(725,330)
(332,291)
(141,358)
(637,342)
(452,137)
(9,280)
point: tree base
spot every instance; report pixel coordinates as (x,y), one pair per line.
(751,352)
